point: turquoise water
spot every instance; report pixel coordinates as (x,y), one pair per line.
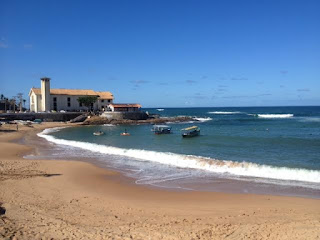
(270,145)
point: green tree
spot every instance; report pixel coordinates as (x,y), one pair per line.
(87,101)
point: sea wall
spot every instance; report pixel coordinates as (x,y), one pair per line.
(50,117)
(125,115)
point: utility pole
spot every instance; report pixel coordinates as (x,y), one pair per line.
(19,95)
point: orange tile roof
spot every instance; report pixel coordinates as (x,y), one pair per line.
(125,105)
(75,92)
(105,95)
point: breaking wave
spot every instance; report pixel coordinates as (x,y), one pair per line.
(203,119)
(275,115)
(225,167)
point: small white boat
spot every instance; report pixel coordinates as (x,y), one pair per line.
(99,133)
(160,109)
(161,129)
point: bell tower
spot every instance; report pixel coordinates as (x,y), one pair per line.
(45,94)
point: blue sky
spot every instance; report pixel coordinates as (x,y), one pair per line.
(166,53)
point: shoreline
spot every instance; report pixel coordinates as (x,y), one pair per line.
(76,199)
(184,182)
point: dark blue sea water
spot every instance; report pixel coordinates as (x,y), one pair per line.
(257,147)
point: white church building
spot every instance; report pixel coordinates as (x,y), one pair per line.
(45,99)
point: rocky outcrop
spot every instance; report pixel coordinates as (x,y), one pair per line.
(139,115)
(80,118)
(96,120)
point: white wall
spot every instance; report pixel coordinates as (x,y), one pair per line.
(130,109)
(33,100)
(62,103)
(103,104)
(35,106)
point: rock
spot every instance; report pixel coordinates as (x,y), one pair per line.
(2,210)
(96,120)
(80,118)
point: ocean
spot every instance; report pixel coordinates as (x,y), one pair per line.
(264,150)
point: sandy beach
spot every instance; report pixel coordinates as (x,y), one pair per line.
(51,199)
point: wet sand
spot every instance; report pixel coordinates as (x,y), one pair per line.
(43,199)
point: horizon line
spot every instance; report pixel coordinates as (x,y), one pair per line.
(242,106)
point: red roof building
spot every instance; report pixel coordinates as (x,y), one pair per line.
(123,107)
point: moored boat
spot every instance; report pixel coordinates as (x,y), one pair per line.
(99,133)
(125,133)
(190,131)
(161,129)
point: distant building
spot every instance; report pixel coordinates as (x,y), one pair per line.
(45,99)
(6,105)
(124,107)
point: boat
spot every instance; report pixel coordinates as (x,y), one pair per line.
(125,133)
(160,109)
(161,129)
(99,133)
(190,131)
(37,121)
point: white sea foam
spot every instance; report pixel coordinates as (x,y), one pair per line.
(224,113)
(109,125)
(275,115)
(203,119)
(309,119)
(180,122)
(246,169)
(50,130)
